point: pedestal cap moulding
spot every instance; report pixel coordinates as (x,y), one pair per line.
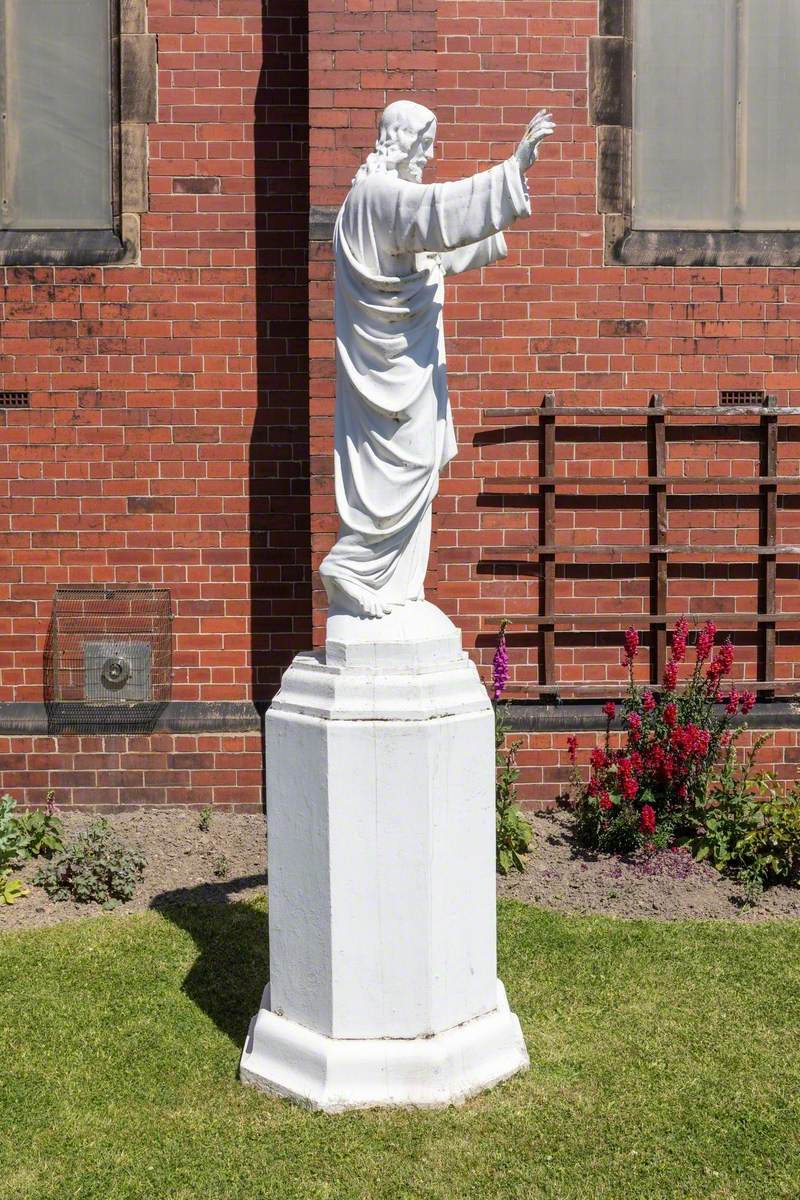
(380,749)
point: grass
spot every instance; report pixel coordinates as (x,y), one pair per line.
(665,1063)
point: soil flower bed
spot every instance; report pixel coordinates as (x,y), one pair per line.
(227,861)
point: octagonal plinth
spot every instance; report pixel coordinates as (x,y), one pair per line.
(380,785)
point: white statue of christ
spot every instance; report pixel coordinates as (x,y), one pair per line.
(395,240)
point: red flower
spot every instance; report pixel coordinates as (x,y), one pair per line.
(610,710)
(732,704)
(670,715)
(631,646)
(634,722)
(670,676)
(746,701)
(648,701)
(647,821)
(679,636)
(722,663)
(598,759)
(691,739)
(605,801)
(705,641)
(572,747)
(629,787)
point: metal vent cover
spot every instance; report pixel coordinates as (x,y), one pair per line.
(118,672)
(733,397)
(108,663)
(15,399)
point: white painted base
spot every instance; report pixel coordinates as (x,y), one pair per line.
(381,832)
(285,1059)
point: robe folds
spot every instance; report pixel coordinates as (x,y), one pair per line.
(394,241)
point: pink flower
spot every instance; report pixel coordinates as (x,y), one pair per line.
(705,641)
(670,676)
(500,670)
(647,820)
(732,703)
(610,710)
(634,722)
(670,715)
(746,701)
(648,701)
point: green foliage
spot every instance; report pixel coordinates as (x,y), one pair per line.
(12,849)
(12,841)
(42,831)
(95,868)
(749,826)
(11,889)
(204,822)
(514,834)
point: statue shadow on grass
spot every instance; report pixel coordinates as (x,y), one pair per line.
(232,966)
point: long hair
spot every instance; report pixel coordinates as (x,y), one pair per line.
(403,116)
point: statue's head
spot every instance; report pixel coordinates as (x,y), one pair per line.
(405,141)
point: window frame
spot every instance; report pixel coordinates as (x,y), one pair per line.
(611,111)
(133,106)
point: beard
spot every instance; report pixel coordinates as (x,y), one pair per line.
(411,170)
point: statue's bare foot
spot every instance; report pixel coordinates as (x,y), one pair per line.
(354,599)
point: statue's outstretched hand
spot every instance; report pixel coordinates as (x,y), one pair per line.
(540,127)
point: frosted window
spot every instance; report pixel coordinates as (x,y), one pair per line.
(684,114)
(57,127)
(716,98)
(771,195)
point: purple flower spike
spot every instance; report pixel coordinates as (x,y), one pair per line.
(500,670)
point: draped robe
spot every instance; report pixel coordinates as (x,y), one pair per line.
(394,242)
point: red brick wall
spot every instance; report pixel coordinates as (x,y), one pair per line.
(552,317)
(167,442)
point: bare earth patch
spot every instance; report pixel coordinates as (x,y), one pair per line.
(228,862)
(666,886)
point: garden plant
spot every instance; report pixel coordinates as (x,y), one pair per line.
(514,834)
(676,780)
(36,834)
(95,868)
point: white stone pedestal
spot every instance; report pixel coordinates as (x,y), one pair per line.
(380,814)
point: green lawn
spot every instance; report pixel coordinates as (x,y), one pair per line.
(665,1063)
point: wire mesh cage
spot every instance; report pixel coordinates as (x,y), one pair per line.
(108,662)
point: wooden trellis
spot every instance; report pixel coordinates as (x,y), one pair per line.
(653,420)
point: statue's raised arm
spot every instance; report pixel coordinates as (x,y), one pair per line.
(395,239)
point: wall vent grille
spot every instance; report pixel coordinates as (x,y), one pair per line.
(734,398)
(15,399)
